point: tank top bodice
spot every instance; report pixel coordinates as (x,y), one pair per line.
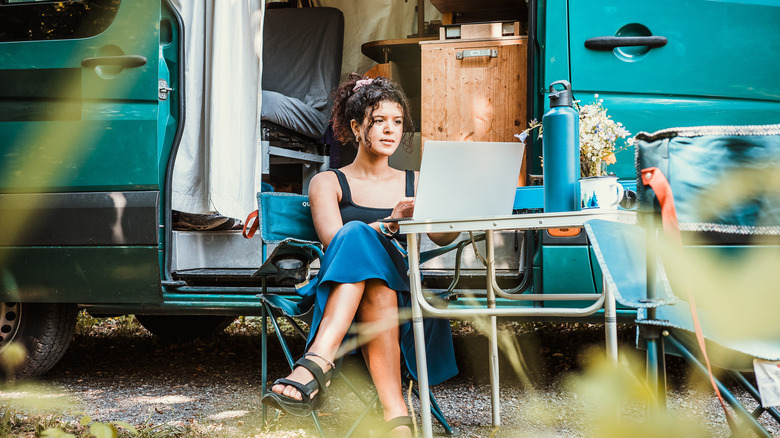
(353,212)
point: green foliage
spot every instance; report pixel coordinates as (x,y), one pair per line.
(122,325)
(93,429)
(12,357)
(252,326)
(56,433)
(85,322)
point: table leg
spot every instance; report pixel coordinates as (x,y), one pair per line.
(493,335)
(610,322)
(415,285)
(264,356)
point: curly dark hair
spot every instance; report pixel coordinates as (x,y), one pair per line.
(350,104)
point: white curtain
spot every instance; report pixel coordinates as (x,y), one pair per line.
(217,166)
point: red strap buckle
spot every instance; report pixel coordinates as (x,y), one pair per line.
(250,225)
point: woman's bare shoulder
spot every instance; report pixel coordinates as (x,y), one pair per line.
(324,183)
(324,178)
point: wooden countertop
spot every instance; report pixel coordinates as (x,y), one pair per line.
(401,51)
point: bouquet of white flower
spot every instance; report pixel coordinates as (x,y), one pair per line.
(598,136)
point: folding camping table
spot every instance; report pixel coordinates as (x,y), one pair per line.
(488,225)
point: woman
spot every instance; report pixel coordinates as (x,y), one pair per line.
(363,276)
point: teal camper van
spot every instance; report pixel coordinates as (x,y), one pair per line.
(96,101)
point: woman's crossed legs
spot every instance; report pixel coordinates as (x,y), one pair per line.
(375,306)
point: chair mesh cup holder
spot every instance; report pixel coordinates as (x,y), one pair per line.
(291,269)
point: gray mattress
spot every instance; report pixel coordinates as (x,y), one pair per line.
(302,50)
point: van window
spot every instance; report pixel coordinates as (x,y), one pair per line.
(31,20)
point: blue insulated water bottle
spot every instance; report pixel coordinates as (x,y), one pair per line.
(561,151)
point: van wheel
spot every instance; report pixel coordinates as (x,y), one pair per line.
(184,326)
(43,329)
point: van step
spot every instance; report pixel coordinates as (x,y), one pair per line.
(213,277)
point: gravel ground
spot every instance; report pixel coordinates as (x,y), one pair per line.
(116,371)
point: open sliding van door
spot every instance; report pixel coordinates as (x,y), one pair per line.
(79,157)
(669,63)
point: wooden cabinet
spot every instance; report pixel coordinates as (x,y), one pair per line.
(473,90)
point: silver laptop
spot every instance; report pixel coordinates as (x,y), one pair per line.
(466,179)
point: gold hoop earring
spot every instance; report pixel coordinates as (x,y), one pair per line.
(357,138)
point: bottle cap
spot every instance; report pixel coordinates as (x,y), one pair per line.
(560,97)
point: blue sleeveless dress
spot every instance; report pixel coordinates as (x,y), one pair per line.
(357,253)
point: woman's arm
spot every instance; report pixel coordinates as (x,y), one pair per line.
(324,192)
(443,239)
(440,239)
(324,200)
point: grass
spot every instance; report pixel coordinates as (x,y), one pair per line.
(123,325)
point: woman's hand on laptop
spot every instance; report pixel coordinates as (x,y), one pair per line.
(404,208)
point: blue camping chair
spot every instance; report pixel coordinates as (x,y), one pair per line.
(644,277)
(285,225)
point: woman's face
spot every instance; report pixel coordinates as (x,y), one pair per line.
(388,128)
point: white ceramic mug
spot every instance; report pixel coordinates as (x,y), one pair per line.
(600,192)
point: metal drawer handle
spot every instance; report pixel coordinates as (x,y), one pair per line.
(493,53)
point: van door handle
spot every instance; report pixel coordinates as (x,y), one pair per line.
(611,42)
(124,61)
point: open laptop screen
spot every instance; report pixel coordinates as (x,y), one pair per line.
(460,179)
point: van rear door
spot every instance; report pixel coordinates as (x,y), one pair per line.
(700,63)
(79,171)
